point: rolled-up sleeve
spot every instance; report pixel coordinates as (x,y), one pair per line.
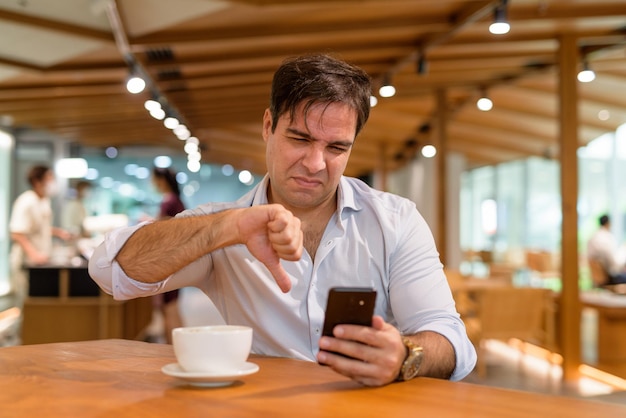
(106,271)
(421,297)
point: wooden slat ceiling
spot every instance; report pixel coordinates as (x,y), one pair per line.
(62,71)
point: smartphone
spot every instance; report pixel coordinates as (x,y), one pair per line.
(349,305)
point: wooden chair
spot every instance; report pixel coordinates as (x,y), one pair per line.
(8,324)
(502,271)
(543,263)
(456,280)
(599,277)
(510,312)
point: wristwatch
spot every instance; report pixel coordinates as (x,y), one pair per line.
(411,365)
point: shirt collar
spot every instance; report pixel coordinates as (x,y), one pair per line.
(345,197)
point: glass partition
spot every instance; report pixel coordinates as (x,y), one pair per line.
(122,184)
(526,197)
(6,151)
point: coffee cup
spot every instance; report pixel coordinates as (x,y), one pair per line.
(212,349)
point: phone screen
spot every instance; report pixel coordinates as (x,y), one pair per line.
(349,305)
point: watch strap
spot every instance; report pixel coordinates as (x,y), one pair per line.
(410,365)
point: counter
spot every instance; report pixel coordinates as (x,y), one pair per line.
(65,304)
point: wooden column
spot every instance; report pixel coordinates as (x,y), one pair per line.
(441,140)
(570,309)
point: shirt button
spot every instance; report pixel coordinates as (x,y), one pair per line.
(328,243)
(317,331)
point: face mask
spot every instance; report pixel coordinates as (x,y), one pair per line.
(51,189)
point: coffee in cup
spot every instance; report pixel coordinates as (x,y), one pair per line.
(212,349)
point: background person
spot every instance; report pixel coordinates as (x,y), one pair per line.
(31,228)
(603,248)
(165,182)
(166,315)
(269,259)
(74,211)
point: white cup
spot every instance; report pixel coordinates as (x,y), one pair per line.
(212,349)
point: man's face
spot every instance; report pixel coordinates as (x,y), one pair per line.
(306,158)
(46,186)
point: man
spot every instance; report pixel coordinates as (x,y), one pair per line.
(269,259)
(31,227)
(603,248)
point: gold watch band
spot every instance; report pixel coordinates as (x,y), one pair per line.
(413,360)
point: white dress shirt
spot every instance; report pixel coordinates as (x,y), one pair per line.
(603,247)
(374,239)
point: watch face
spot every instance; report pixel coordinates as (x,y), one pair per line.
(412,369)
(412,363)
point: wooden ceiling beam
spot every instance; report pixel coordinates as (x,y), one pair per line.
(56,26)
(231,33)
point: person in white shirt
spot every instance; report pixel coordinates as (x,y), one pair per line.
(269,259)
(603,248)
(31,227)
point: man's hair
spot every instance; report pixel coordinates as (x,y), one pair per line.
(37,173)
(604,219)
(319,79)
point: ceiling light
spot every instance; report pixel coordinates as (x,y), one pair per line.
(182,177)
(183,135)
(131,169)
(227,170)
(182,132)
(171,122)
(111,152)
(162,161)
(142,173)
(604,114)
(484,103)
(71,168)
(387,89)
(151,105)
(193,166)
(92,174)
(158,114)
(500,24)
(194,156)
(135,84)
(245,177)
(429,151)
(190,147)
(373,101)
(586,75)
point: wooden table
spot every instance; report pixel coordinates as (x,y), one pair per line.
(120,378)
(611,309)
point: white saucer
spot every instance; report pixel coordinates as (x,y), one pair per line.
(209,379)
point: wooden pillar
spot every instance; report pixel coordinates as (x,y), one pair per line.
(570,309)
(441,140)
